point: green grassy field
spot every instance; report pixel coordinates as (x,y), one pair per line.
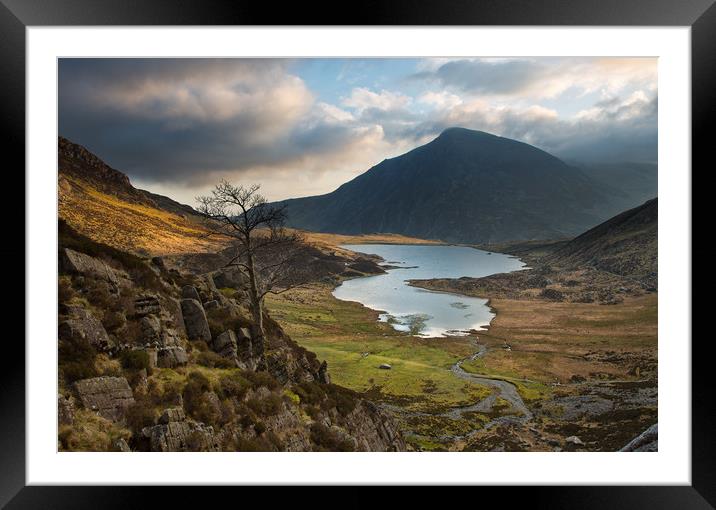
(349,337)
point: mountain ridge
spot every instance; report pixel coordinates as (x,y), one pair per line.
(463,186)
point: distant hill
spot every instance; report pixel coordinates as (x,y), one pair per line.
(632,183)
(101,203)
(464,186)
(626,245)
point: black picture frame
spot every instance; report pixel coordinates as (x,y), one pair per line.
(16,15)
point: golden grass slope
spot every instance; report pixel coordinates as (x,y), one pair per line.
(128,226)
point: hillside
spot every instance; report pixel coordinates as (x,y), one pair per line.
(464,186)
(161,354)
(100,202)
(633,183)
(626,245)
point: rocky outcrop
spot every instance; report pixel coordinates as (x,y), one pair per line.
(84,326)
(195,323)
(190,292)
(647,441)
(74,262)
(373,430)
(174,433)
(285,366)
(171,357)
(225,345)
(229,277)
(151,329)
(108,396)
(243,345)
(147,304)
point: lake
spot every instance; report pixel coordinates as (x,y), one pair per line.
(419,311)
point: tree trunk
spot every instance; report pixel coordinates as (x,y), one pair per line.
(258,340)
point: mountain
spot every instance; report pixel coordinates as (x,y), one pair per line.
(626,245)
(100,202)
(464,186)
(632,183)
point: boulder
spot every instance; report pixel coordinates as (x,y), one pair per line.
(173,414)
(147,304)
(244,348)
(197,327)
(225,345)
(171,357)
(574,440)
(174,433)
(108,396)
(83,325)
(78,263)
(647,441)
(190,292)
(229,277)
(385,366)
(151,329)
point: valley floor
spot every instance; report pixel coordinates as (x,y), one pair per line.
(546,376)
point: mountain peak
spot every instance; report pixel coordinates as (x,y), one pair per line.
(457,131)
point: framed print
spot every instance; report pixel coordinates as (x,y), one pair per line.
(441,246)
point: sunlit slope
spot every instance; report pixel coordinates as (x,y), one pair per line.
(100,203)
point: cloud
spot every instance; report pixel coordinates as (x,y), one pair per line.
(616,129)
(538,78)
(178,125)
(189,121)
(362,99)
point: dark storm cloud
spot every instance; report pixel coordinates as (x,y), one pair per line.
(186,120)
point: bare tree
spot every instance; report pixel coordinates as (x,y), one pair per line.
(265,252)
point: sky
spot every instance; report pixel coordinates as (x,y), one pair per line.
(301,127)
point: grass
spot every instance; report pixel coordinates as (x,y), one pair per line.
(129,226)
(555,341)
(349,337)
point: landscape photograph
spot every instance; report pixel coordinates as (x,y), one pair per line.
(441,254)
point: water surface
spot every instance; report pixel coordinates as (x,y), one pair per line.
(423,312)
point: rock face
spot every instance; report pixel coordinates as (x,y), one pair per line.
(225,345)
(108,396)
(647,441)
(373,430)
(82,325)
(151,329)
(171,357)
(229,277)
(175,433)
(286,366)
(197,327)
(190,292)
(79,263)
(147,304)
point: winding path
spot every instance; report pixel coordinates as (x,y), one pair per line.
(503,389)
